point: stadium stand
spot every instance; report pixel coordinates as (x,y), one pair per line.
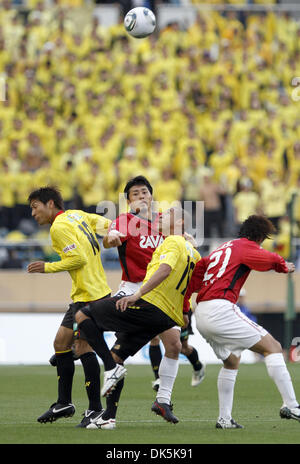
(87,107)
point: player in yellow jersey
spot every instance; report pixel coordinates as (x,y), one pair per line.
(154,308)
(73,235)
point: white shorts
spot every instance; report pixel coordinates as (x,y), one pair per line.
(226,328)
(129,288)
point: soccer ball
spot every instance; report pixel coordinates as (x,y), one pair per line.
(140,22)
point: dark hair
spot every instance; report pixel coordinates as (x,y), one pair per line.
(44,194)
(256,228)
(138,180)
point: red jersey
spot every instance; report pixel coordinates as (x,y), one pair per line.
(141,240)
(222,274)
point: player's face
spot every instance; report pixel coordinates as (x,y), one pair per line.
(170,222)
(140,199)
(40,212)
(166,222)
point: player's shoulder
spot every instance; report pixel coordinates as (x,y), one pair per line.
(68,219)
(174,241)
(123,217)
(243,242)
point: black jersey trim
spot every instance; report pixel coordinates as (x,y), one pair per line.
(241,270)
(153,219)
(122,256)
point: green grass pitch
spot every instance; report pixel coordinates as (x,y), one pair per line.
(27,391)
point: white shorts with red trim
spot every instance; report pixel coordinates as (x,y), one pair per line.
(226,328)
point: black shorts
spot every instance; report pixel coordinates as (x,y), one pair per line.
(134,327)
(69,318)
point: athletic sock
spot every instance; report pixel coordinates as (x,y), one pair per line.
(96,340)
(226,383)
(112,401)
(167,373)
(65,372)
(194,360)
(155,358)
(278,372)
(92,380)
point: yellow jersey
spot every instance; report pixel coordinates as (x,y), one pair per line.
(74,240)
(182,257)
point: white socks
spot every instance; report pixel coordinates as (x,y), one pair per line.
(168,369)
(226,382)
(277,370)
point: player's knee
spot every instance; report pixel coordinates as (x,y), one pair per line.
(64,339)
(82,347)
(155,341)
(173,349)
(80,316)
(232,362)
(186,349)
(275,347)
(61,345)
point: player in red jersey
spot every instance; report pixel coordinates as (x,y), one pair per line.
(137,236)
(218,279)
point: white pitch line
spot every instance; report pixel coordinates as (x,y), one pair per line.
(146,421)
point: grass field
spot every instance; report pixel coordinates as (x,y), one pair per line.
(27,391)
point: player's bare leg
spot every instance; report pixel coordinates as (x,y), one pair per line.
(271,349)
(167,373)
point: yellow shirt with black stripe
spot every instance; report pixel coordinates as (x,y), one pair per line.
(73,235)
(168,296)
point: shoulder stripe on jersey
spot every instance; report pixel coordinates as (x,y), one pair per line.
(241,270)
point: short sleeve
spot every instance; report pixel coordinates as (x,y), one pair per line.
(169,252)
(99,224)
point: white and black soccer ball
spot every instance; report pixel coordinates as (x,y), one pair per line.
(140,22)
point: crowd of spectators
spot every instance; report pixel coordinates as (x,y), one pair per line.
(204,109)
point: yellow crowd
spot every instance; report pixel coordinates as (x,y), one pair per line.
(89,107)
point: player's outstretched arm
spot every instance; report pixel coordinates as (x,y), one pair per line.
(263,260)
(37,266)
(113,239)
(291,267)
(68,264)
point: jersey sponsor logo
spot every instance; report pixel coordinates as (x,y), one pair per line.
(74,217)
(69,247)
(190,250)
(150,241)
